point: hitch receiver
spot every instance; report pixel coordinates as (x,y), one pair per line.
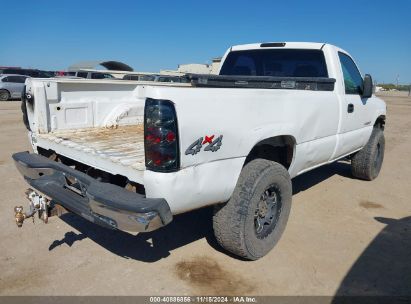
(37,204)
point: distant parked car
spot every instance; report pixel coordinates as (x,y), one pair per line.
(91,75)
(27,72)
(167,78)
(155,78)
(11,86)
(139,77)
(47,74)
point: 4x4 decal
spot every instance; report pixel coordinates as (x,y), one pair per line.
(213,145)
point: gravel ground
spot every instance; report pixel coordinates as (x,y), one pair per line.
(344,236)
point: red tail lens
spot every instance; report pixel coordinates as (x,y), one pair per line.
(161,136)
(171,136)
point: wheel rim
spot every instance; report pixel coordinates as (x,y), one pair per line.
(4,95)
(267,211)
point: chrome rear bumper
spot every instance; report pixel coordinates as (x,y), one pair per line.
(104,204)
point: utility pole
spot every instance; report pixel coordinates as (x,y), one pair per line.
(398,79)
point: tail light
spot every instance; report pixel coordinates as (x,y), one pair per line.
(161,136)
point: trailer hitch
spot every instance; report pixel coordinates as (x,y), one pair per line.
(37,204)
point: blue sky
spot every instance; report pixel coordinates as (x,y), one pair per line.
(154,35)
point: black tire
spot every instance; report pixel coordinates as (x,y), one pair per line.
(366,163)
(237,223)
(4,95)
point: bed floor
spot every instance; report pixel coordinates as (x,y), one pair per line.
(123,145)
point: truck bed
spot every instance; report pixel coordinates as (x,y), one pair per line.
(123,145)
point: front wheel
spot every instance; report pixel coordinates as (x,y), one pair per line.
(253,220)
(4,95)
(366,163)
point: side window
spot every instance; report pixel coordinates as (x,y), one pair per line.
(5,79)
(147,78)
(13,79)
(97,76)
(353,81)
(20,79)
(133,77)
(101,76)
(82,74)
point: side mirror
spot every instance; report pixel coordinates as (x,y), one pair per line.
(367,86)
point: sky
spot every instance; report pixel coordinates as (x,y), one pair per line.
(154,35)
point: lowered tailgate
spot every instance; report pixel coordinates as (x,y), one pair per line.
(113,150)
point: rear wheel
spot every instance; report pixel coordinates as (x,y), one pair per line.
(366,163)
(253,220)
(4,95)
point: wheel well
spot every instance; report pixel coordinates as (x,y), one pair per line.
(279,149)
(380,122)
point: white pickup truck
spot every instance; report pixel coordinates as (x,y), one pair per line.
(129,155)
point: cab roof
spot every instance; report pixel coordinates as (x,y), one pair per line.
(278,45)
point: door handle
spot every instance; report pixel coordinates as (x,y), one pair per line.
(350,108)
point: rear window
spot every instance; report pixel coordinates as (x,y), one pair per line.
(276,62)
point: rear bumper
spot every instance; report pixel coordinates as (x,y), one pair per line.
(101,203)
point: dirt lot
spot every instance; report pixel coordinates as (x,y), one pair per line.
(344,236)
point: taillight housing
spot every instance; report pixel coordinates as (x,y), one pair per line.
(161,136)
